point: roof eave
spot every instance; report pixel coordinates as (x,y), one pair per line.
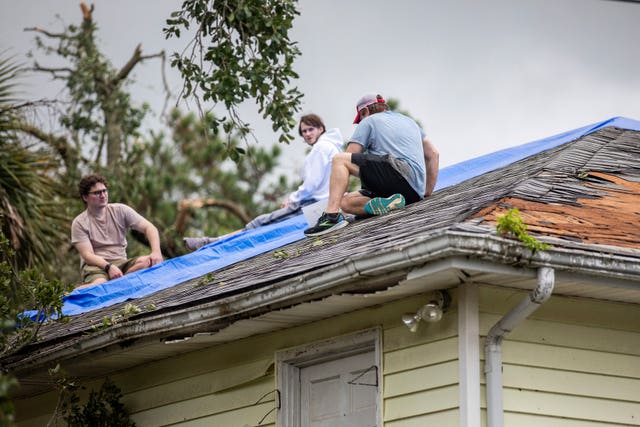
(471,250)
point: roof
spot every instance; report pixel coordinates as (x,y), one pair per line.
(580,195)
(249,243)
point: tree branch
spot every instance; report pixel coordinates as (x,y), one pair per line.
(135,58)
(126,69)
(167,91)
(186,206)
(58,143)
(47,33)
(86,12)
(18,107)
(38,67)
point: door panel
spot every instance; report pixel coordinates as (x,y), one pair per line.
(340,393)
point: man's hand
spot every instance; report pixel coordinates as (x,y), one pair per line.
(146,261)
(114,272)
(155,258)
(151,232)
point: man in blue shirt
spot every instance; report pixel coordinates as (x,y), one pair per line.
(396,162)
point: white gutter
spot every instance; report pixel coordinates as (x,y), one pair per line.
(493,343)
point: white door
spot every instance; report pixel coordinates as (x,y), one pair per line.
(340,393)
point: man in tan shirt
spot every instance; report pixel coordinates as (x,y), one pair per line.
(99,235)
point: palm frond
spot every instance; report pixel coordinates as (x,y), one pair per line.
(31,206)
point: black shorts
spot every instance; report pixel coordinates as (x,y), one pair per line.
(380,179)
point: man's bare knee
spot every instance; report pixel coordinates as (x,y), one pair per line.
(342,161)
(342,158)
(140,264)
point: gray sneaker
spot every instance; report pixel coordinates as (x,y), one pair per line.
(194,243)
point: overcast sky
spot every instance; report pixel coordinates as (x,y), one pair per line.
(480,76)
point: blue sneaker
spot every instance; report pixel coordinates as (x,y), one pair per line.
(380,205)
(327,223)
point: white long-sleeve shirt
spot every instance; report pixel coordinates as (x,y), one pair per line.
(317,167)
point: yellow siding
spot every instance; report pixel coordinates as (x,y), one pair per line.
(421,372)
(241,401)
(196,386)
(572,359)
(40,421)
(572,363)
(250,416)
(571,382)
(420,355)
(415,380)
(421,403)
(197,389)
(528,420)
(572,407)
(32,411)
(443,419)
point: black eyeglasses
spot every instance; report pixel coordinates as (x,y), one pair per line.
(99,192)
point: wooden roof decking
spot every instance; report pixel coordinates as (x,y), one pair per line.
(590,193)
(583,191)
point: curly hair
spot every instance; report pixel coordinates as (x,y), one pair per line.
(89,181)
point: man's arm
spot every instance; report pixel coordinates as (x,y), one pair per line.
(317,165)
(432,163)
(152,235)
(354,148)
(86,252)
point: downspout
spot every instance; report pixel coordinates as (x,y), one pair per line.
(493,343)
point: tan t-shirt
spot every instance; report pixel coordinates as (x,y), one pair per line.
(108,234)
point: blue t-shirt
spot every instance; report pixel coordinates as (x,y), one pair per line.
(398,135)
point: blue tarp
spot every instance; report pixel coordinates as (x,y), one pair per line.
(244,245)
(462,171)
(207,259)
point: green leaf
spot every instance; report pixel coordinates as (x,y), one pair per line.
(512,223)
(236,61)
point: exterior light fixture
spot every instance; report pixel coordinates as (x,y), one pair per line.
(411,320)
(439,302)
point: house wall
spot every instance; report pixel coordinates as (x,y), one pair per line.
(573,363)
(221,386)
